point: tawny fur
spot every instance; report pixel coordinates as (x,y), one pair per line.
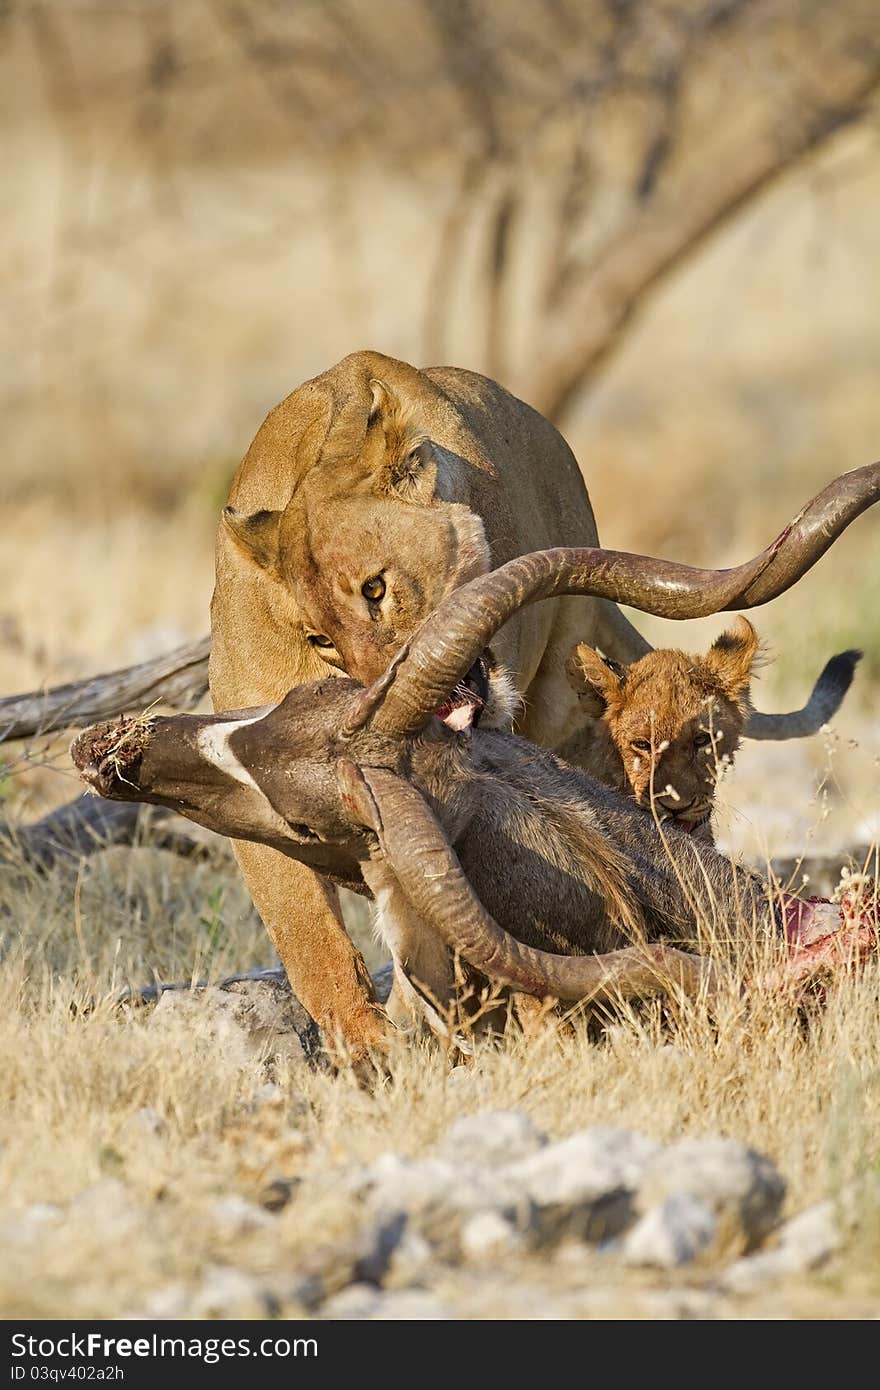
(426,478)
(693,711)
(665,726)
(423,479)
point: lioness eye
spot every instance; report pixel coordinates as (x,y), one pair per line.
(373,589)
(643,745)
(702,740)
(317,639)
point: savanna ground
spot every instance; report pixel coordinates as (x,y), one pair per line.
(152,324)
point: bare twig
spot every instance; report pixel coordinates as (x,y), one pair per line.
(619,284)
(178,678)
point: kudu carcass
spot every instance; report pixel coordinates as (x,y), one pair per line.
(476,842)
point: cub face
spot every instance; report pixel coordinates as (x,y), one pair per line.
(670,720)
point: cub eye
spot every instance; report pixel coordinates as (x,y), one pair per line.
(317,639)
(373,589)
(641,745)
(702,740)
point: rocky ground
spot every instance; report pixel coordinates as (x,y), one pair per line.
(191,1154)
(494,1219)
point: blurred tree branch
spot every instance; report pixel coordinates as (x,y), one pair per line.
(578,152)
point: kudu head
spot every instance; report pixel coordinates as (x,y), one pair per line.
(324,776)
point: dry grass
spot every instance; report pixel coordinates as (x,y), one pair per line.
(141,361)
(131,1213)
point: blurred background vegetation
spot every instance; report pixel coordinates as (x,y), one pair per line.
(658,221)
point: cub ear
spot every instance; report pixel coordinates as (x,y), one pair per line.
(256,534)
(409,466)
(732,657)
(597,679)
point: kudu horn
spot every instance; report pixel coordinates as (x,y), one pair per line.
(449,641)
(416,848)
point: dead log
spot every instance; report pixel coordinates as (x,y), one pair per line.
(178,678)
(383,979)
(89,824)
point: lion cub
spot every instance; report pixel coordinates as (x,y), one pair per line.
(665,725)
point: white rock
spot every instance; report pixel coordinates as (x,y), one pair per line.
(411,1257)
(236,1216)
(43,1214)
(742,1187)
(361,1301)
(145,1123)
(414,1185)
(404,1184)
(225,1292)
(375,1246)
(588,1164)
(248,1021)
(492,1137)
(812,1236)
(582,1186)
(488,1235)
(438,1197)
(671,1234)
(804,1242)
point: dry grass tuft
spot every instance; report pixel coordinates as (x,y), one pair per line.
(107,1213)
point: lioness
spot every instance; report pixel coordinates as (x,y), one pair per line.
(365,498)
(664,725)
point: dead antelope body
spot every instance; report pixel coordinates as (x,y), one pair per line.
(472,841)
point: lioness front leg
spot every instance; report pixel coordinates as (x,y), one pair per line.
(325,969)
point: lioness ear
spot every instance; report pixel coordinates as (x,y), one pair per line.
(409,466)
(597,679)
(731,658)
(256,534)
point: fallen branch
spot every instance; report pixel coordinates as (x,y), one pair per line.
(88,825)
(178,678)
(383,978)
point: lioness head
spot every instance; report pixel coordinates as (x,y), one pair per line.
(671,719)
(370,542)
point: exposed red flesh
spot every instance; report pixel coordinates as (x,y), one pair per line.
(824,938)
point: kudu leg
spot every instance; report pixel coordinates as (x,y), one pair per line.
(326,971)
(423,988)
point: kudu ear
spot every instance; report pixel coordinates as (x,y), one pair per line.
(597,679)
(256,534)
(409,465)
(732,657)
